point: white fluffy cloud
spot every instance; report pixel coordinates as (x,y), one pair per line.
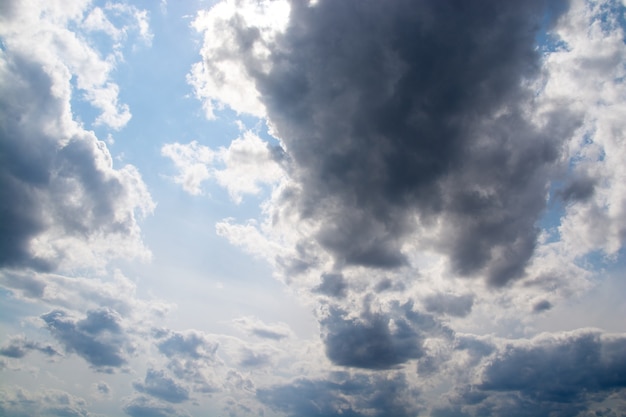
(241,168)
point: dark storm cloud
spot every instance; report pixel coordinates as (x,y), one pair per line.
(378,340)
(395,110)
(19,346)
(348,396)
(159,385)
(98,338)
(450,304)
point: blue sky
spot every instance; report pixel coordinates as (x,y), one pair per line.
(274,208)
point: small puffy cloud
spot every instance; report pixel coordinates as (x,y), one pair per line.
(192,161)
(247,163)
(161,386)
(376,340)
(99,338)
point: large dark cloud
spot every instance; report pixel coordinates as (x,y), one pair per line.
(98,338)
(395,114)
(343,395)
(377,340)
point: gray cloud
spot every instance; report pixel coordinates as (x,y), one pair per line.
(332,285)
(558,375)
(560,370)
(159,385)
(377,340)
(355,396)
(453,305)
(98,338)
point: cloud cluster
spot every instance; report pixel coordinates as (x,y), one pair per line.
(423,144)
(247,163)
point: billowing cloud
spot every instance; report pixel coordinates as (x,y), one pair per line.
(65,204)
(378,341)
(382,146)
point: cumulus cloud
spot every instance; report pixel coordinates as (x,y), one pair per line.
(377,340)
(98,338)
(247,163)
(65,203)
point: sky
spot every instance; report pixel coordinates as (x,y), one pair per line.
(312,208)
